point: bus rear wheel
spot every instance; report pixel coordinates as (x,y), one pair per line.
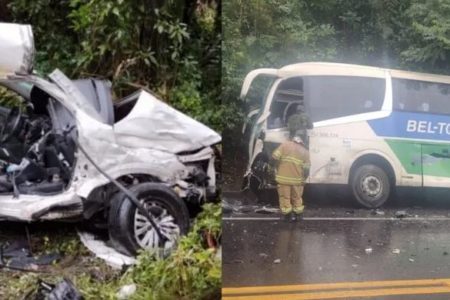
(370,186)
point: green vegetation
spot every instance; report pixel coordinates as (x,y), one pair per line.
(193,271)
(171,47)
(8,98)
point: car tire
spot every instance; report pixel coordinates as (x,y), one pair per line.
(370,186)
(129,230)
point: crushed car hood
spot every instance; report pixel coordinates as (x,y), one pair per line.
(16,49)
(153,124)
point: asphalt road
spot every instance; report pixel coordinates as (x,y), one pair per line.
(339,250)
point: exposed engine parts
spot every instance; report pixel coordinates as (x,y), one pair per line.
(34,158)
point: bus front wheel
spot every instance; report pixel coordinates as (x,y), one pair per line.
(370,186)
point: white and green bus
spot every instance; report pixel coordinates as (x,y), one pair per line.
(374,129)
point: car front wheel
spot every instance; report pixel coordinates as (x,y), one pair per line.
(130,231)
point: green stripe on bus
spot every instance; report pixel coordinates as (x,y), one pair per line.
(434,158)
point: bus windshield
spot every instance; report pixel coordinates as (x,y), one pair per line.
(258,92)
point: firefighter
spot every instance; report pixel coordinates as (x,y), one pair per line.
(292,168)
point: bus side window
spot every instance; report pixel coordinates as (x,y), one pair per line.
(330,97)
(421,96)
(423,107)
(368,104)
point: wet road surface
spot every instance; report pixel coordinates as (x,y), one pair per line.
(339,250)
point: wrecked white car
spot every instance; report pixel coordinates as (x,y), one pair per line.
(67,152)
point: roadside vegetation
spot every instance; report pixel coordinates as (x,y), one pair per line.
(193,271)
(169,47)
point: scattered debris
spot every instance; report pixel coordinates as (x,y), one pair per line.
(110,255)
(369,250)
(401,214)
(227,208)
(126,291)
(379,212)
(277,261)
(396,251)
(267,210)
(246,209)
(236,207)
(63,290)
(17,255)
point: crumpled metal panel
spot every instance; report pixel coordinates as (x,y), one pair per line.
(16,49)
(153,124)
(25,206)
(101,143)
(73,93)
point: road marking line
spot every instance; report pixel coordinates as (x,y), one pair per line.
(336,285)
(376,219)
(337,219)
(345,294)
(251,218)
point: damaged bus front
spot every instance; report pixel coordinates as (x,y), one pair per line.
(66,151)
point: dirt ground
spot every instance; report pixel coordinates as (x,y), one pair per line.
(76,262)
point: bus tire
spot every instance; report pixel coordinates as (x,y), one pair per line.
(370,186)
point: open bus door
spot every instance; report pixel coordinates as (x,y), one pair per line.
(254,92)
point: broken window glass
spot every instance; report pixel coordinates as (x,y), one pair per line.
(288,97)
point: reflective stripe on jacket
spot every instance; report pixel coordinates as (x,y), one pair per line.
(292,159)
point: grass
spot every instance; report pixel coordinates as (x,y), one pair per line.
(193,271)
